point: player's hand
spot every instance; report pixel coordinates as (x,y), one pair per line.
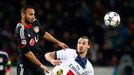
(62,45)
(56,62)
(44,68)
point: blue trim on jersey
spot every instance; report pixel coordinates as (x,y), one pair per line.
(81,61)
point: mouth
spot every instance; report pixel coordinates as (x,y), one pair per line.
(80,49)
(32,19)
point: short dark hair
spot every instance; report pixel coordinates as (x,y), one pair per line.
(24,8)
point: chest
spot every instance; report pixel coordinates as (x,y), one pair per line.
(32,34)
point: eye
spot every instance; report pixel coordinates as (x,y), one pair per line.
(79,42)
(84,43)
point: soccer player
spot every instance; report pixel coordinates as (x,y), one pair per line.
(27,35)
(72,62)
(5,63)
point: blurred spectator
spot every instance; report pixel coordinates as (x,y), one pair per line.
(5,63)
(125,67)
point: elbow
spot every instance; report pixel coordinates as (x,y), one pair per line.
(27,54)
(46,56)
(49,56)
(45,35)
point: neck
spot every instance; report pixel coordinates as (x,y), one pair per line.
(83,55)
(23,22)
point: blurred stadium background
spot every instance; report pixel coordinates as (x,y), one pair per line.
(67,20)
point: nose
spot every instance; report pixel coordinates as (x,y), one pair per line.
(33,17)
(80,45)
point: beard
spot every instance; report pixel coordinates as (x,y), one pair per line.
(27,21)
(81,52)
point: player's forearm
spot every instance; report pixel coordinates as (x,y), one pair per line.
(50,56)
(49,37)
(32,57)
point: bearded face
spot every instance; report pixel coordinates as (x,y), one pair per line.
(29,15)
(82,45)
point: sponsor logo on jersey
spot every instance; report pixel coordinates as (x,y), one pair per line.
(32,42)
(75,68)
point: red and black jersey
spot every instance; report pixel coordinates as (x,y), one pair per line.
(28,38)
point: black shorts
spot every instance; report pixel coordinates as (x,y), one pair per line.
(29,70)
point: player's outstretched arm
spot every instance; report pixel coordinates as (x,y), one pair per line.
(32,57)
(50,57)
(49,37)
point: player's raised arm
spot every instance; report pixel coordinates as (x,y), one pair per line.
(49,37)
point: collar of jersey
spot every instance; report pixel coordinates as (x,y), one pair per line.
(28,26)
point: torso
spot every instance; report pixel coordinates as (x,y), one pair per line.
(70,64)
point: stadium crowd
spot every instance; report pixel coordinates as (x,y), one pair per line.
(69,19)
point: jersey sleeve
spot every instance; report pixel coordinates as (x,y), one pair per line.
(42,29)
(23,40)
(65,54)
(61,54)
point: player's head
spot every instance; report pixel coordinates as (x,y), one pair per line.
(28,14)
(83,44)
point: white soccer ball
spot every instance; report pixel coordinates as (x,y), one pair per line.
(112,20)
(58,70)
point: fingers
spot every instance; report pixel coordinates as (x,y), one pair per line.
(45,69)
(63,46)
(56,62)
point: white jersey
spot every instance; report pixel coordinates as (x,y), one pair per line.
(70,66)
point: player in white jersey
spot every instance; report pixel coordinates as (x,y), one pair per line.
(70,61)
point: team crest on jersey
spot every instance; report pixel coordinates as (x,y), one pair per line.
(36,29)
(32,42)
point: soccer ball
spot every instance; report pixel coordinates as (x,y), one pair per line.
(112,20)
(62,70)
(58,70)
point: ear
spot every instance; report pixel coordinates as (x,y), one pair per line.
(22,14)
(89,46)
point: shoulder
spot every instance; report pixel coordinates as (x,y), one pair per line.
(20,26)
(67,51)
(89,66)
(36,22)
(70,50)
(89,63)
